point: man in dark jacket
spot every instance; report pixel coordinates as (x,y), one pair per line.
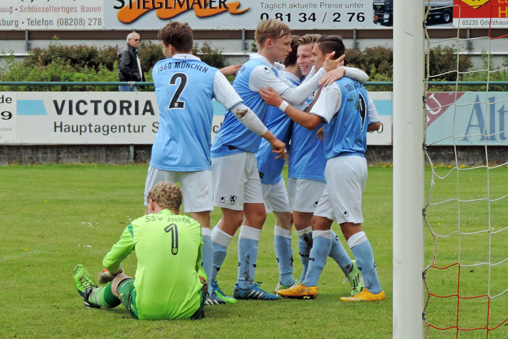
(129,67)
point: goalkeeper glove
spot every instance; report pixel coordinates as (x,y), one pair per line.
(106,276)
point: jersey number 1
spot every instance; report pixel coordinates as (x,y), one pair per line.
(171,228)
(175,100)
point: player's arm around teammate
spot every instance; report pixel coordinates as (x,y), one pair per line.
(273,185)
(306,181)
(345,143)
(237,188)
(185,87)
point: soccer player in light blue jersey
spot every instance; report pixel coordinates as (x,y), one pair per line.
(273,185)
(344,109)
(306,179)
(237,187)
(307,163)
(185,87)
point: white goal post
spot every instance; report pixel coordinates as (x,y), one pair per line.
(408,168)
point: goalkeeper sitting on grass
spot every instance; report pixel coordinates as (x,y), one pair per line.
(168,250)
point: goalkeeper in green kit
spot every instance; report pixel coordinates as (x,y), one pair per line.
(168,250)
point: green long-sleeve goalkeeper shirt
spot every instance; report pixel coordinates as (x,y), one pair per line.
(168,251)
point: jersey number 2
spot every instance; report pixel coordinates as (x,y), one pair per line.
(175,100)
(171,228)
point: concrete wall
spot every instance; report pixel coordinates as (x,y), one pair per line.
(71,154)
(125,154)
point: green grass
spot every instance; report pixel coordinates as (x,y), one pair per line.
(463,193)
(55,216)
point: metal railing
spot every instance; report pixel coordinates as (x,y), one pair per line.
(74,83)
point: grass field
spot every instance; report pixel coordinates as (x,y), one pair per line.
(55,216)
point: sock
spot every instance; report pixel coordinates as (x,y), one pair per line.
(339,254)
(284,254)
(207,259)
(103,297)
(247,255)
(220,243)
(322,242)
(304,246)
(364,256)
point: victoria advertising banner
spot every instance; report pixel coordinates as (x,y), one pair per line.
(463,118)
(132,118)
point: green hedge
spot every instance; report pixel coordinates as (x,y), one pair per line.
(92,64)
(87,63)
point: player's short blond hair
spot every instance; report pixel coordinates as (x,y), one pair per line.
(270,29)
(166,195)
(308,39)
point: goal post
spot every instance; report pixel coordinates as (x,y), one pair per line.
(408,168)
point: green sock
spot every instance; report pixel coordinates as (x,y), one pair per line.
(103,297)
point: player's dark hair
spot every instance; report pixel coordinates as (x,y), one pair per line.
(291,58)
(331,43)
(177,34)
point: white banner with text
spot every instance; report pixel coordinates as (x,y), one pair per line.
(44,118)
(41,118)
(88,15)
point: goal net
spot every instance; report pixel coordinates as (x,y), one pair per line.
(465,211)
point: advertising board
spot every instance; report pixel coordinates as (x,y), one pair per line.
(75,118)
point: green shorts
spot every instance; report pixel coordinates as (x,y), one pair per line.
(127,294)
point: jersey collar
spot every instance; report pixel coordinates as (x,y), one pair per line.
(262,58)
(185,56)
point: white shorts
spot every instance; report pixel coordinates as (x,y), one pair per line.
(304,194)
(196,187)
(236,181)
(276,197)
(346,177)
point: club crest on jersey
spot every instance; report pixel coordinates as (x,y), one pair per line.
(231,200)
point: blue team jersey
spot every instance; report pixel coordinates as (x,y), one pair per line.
(306,154)
(346,132)
(233,137)
(269,168)
(280,125)
(184,90)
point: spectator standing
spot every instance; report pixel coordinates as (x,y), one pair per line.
(129,66)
